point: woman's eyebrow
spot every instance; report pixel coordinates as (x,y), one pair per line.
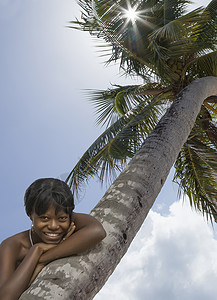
(62,214)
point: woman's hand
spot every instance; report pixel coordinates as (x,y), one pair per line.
(70,231)
(43,247)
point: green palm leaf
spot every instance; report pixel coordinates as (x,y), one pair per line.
(117,144)
(205,65)
(179,27)
(117,101)
(196,172)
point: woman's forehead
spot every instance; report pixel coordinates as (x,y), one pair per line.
(55,210)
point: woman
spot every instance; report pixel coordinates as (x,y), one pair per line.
(56,232)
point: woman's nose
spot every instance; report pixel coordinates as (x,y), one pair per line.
(53,225)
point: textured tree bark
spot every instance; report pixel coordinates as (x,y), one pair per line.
(126,204)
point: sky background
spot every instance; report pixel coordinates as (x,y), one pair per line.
(46,123)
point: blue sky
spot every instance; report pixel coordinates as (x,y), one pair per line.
(46,123)
(46,120)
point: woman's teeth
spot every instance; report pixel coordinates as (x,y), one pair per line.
(52,234)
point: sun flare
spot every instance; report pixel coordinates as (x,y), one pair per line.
(131,14)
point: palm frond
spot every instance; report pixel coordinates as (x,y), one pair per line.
(116,144)
(212,9)
(179,27)
(196,173)
(206,33)
(206,115)
(115,102)
(205,65)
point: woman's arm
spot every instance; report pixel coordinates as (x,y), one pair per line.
(88,233)
(37,270)
(14,281)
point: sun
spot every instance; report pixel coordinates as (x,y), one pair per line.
(131,14)
(134,15)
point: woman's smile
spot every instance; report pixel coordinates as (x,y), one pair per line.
(53,235)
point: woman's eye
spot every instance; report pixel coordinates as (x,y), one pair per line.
(63,218)
(43,218)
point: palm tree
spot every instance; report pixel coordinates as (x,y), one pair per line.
(175,56)
(167,49)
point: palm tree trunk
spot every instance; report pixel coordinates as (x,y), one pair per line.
(126,204)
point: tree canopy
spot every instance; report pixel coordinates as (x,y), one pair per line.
(166,47)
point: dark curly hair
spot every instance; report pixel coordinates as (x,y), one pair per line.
(48,191)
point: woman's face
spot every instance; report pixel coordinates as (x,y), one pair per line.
(51,226)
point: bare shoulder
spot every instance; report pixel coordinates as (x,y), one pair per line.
(12,252)
(13,246)
(11,242)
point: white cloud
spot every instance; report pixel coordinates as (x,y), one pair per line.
(173,257)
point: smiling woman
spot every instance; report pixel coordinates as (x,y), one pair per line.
(56,232)
(49,204)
